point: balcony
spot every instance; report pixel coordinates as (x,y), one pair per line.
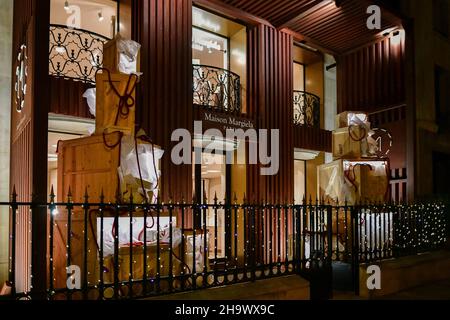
(306,109)
(75,54)
(216,89)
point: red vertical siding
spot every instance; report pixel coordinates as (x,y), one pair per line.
(21,145)
(67,98)
(372,78)
(28,135)
(270,100)
(164,28)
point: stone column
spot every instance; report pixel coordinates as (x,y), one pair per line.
(6,16)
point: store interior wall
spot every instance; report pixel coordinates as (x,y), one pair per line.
(89,19)
(311,177)
(6,15)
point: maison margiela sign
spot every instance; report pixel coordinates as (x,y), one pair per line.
(224,122)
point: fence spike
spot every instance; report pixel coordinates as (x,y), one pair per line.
(14,194)
(86,196)
(102,196)
(158,200)
(118,195)
(52,195)
(215,198)
(131,198)
(245,199)
(69,195)
(235,198)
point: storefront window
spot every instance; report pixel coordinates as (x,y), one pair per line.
(219,45)
(209,49)
(98,16)
(210,181)
(299,77)
(299,181)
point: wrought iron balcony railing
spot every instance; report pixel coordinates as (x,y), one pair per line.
(306,109)
(217,89)
(74,53)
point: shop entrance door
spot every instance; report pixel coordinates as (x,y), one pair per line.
(213,181)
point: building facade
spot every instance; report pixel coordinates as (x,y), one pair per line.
(280,65)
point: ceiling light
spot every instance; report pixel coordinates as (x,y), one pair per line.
(201,21)
(100,16)
(338,3)
(66,6)
(396,38)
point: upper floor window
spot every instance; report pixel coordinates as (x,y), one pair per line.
(308,88)
(97,16)
(441,13)
(219,58)
(78,31)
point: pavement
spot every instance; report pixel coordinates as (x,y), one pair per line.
(434,291)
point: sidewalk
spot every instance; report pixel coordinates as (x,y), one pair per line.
(435,291)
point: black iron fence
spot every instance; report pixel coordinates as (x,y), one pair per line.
(75,53)
(376,232)
(128,250)
(216,89)
(306,109)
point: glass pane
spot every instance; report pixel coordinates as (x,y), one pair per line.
(299,181)
(299,77)
(209,49)
(214,183)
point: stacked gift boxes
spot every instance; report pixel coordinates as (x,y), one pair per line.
(356,175)
(114,161)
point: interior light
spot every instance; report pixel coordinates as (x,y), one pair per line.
(240,56)
(66,6)
(396,38)
(338,3)
(60,49)
(100,16)
(201,21)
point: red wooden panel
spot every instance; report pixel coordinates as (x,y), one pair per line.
(270,101)
(321,22)
(164,28)
(372,78)
(67,98)
(312,139)
(28,133)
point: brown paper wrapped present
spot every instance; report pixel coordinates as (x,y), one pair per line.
(121,55)
(115,103)
(353,181)
(349,142)
(137,270)
(351,118)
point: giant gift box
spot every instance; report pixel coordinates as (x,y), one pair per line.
(353,181)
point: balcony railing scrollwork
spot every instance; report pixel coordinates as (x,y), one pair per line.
(216,89)
(306,109)
(74,53)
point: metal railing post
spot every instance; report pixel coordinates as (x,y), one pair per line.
(355,218)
